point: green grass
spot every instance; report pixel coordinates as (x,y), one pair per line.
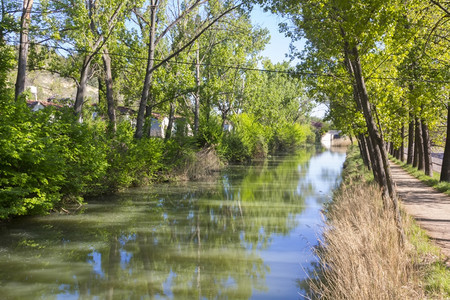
(429,262)
(443,187)
(354,168)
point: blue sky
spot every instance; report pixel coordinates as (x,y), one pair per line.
(279,44)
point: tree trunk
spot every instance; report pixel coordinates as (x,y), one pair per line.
(381,158)
(365,140)
(374,162)
(100,89)
(385,178)
(197,93)
(445,172)
(170,125)
(224,118)
(363,150)
(148,120)
(416,150)
(402,145)
(427,150)
(366,150)
(410,157)
(148,74)
(2,29)
(23,48)
(81,88)
(419,146)
(109,90)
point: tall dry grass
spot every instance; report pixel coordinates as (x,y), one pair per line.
(360,256)
(202,164)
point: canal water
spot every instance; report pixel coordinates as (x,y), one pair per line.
(246,233)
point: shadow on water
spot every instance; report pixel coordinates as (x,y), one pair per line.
(242,236)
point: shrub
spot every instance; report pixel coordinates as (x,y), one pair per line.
(291,136)
(145,159)
(210,131)
(249,139)
(233,149)
(46,156)
(85,155)
(132,162)
(119,173)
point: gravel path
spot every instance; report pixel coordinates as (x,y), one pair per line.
(429,207)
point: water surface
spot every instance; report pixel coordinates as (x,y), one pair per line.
(245,234)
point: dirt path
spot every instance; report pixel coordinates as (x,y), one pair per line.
(430,208)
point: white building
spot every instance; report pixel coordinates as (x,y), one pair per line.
(333,138)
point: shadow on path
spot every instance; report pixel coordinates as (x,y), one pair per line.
(429,207)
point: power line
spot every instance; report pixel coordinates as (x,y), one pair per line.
(242,68)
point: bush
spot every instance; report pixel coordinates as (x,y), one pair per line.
(132,162)
(233,149)
(210,131)
(47,156)
(119,173)
(249,139)
(30,176)
(288,137)
(44,156)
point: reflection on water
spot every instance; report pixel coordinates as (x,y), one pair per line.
(244,236)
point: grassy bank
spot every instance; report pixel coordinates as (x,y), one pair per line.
(360,256)
(443,187)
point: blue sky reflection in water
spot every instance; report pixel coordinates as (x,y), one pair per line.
(245,234)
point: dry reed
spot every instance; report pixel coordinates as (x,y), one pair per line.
(360,256)
(202,164)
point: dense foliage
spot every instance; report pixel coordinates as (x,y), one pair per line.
(47,156)
(192,62)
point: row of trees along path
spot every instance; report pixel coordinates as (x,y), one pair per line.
(429,207)
(382,67)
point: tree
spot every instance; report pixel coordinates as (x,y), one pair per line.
(23,47)
(445,172)
(86,26)
(156,29)
(227,82)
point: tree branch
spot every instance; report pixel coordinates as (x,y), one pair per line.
(177,20)
(194,38)
(441,7)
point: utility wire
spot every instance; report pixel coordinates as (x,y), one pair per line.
(287,72)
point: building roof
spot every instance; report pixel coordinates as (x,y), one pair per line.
(32,104)
(125,110)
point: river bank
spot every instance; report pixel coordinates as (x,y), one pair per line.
(360,257)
